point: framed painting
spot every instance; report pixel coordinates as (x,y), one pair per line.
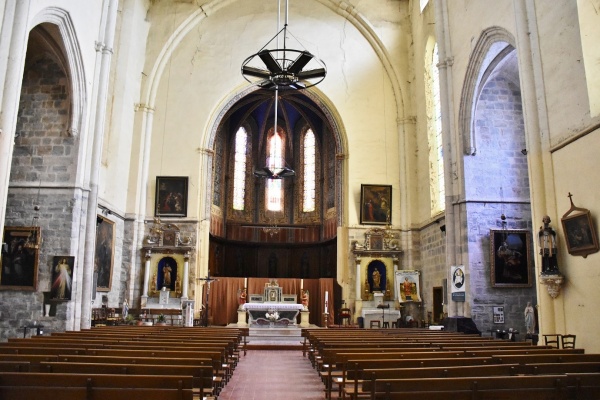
(580,234)
(171,196)
(20,257)
(104,253)
(510,258)
(62,277)
(407,285)
(375,204)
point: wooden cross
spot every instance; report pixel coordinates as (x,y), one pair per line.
(208,280)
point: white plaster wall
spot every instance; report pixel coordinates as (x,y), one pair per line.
(563,69)
(574,166)
(204,71)
(119,155)
(589,23)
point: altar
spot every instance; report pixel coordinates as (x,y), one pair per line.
(379,314)
(286,312)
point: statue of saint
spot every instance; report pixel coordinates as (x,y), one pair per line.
(548,247)
(376,279)
(529,318)
(241,297)
(305,298)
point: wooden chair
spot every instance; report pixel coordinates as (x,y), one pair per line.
(344,316)
(552,340)
(375,322)
(568,341)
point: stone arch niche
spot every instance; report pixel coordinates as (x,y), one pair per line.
(166,267)
(377,260)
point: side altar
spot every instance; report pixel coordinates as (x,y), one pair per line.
(272,307)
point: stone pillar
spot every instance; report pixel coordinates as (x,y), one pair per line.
(13,45)
(186,275)
(147,257)
(104,50)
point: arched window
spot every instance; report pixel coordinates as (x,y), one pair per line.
(309,161)
(274,162)
(434,134)
(239,169)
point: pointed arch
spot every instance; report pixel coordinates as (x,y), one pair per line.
(475,70)
(72,53)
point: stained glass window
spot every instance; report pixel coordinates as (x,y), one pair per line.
(308,203)
(239,169)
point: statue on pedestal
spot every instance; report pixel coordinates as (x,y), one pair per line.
(548,247)
(305,298)
(241,298)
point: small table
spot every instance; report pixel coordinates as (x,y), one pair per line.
(39,329)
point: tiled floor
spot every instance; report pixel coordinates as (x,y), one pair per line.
(274,375)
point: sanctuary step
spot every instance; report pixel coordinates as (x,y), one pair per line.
(274,338)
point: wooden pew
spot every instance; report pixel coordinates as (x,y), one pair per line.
(373,374)
(538,387)
(30,386)
(14,366)
(202,374)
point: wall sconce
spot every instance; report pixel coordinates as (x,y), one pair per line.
(524,152)
(443,228)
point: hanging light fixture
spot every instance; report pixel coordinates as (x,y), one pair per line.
(283,68)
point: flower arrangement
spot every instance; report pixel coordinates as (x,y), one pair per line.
(272,316)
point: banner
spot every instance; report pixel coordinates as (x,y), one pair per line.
(457,285)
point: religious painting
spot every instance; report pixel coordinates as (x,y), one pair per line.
(580,234)
(510,258)
(375,204)
(20,255)
(104,253)
(171,196)
(62,277)
(407,284)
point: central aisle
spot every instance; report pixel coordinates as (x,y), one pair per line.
(274,375)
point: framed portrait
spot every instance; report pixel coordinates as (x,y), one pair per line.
(171,196)
(62,277)
(580,234)
(375,204)
(510,258)
(104,253)
(20,257)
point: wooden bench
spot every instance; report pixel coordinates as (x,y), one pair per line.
(202,374)
(31,386)
(538,387)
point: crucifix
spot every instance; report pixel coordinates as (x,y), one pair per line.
(208,280)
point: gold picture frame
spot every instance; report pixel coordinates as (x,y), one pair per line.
(20,258)
(104,253)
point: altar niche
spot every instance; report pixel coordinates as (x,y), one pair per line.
(166,271)
(377,278)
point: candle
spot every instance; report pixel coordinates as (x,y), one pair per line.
(245,283)
(326,300)
(301,284)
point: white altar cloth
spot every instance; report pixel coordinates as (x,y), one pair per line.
(272,306)
(286,311)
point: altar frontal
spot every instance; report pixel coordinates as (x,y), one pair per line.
(272,307)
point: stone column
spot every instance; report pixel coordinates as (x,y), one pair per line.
(186,275)
(104,51)
(13,46)
(147,258)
